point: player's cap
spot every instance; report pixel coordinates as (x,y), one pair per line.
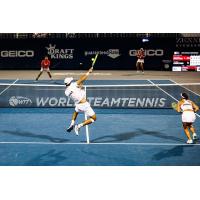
(68,80)
(184,96)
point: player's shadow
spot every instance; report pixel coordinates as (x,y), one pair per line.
(33,135)
(174,152)
(130,135)
(51,158)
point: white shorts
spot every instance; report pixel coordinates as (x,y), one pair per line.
(140,61)
(86,108)
(44,69)
(188,117)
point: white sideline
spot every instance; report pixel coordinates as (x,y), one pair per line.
(8,86)
(169,94)
(185,87)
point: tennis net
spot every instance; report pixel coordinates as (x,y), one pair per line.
(99,96)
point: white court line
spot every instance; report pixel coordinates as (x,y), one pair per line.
(162,90)
(103,143)
(185,87)
(86,127)
(8,86)
(169,95)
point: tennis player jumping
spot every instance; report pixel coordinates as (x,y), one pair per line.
(188,109)
(75,91)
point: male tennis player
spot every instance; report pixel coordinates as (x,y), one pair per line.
(77,94)
(188,109)
(45,64)
(140,61)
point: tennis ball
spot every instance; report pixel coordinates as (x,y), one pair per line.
(92,59)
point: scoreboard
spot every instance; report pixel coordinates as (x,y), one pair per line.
(186,61)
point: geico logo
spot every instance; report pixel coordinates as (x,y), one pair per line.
(148,52)
(20,53)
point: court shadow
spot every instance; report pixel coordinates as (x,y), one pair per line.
(51,158)
(33,135)
(174,152)
(131,135)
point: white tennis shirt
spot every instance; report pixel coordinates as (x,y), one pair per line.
(75,92)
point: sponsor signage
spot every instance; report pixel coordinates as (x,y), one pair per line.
(112,53)
(67,54)
(16,53)
(59,53)
(188,42)
(148,52)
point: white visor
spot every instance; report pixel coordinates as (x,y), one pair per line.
(68,80)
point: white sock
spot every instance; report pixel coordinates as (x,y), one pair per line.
(72,123)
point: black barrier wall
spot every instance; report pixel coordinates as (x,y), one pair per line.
(76,53)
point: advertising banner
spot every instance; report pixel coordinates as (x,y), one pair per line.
(76,53)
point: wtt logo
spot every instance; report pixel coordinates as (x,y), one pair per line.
(19,100)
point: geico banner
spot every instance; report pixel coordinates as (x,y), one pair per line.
(148,52)
(16,53)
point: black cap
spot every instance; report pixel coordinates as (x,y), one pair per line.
(184,96)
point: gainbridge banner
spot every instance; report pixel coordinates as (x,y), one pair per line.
(76,53)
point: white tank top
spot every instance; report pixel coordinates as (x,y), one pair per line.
(187,105)
(75,93)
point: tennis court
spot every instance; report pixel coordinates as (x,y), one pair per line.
(120,136)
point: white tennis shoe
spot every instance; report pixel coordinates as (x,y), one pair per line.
(194,136)
(189,142)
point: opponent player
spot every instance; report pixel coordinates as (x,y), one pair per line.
(77,94)
(188,109)
(140,61)
(45,64)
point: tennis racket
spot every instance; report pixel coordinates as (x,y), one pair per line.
(94,60)
(174,105)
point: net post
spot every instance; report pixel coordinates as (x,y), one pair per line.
(86,127)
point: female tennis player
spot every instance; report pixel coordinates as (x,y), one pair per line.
(77,94)
(188,109)
(45,64)
(140,61)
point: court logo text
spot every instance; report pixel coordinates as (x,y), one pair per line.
(19,100)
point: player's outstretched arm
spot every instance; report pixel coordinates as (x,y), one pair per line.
(84,77)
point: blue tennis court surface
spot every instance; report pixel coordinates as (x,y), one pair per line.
(127,137)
